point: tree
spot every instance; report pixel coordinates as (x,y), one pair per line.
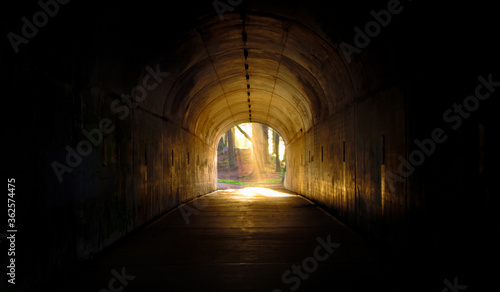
(276,150)
(265,143)
(230,149)
(220,146)
(257,141)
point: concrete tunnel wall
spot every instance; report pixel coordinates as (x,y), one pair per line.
(300,84)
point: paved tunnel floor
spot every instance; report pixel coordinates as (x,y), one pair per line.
(240,240)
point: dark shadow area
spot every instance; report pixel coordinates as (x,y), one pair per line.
(113,113)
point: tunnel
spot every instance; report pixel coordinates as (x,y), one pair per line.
(113,112)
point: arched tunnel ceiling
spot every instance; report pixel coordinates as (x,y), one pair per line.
(294,76)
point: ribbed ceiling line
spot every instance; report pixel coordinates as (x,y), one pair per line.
(277,71)
(215,71)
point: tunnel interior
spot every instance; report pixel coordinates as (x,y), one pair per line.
(119,109)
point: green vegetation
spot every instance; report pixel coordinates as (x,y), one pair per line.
(271,181)
(233,182)
(262,183)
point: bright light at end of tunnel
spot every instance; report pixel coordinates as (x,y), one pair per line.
(252,192)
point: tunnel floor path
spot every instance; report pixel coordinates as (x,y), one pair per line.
(240,240)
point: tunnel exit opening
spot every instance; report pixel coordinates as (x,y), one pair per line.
(250,155)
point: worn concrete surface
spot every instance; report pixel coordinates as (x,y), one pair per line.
(241,240)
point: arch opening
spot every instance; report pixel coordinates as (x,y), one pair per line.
(250,155)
